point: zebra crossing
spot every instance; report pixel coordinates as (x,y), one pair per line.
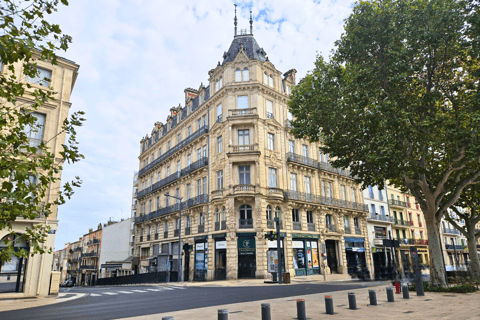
(133,291)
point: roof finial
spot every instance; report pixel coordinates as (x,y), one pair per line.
(235,20)
(251,23)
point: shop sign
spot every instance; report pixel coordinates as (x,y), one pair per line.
(201,238)
(273,244)
(246,246)
(221,245)
(316,263)
(355,249)
(297,244)
(219,235)
(200,246)
(352,239)
(305,236)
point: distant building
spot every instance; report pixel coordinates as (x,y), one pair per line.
(115,249)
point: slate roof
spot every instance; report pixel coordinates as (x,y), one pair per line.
(250,47)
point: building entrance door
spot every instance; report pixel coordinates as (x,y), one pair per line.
(220,264)
(186,267)
(331,250)
(246,266)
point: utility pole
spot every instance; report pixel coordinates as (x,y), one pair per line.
(279,251)
(179,260)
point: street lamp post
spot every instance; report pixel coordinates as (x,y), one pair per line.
(179,263)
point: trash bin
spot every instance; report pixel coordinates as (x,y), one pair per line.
(286,277)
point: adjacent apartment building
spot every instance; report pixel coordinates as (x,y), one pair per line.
(230,155)
(31,276)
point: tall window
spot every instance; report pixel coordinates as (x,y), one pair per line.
(243,137)
(291,146)
(353,195)
(199,153)
(219,144)
(205,120)
(238,75)
(324,190)
(330,191)
(269,105)
(177,194)
(265,78)
(269,213)
(328,220)
(168,171)
(326,158)
(380,195)
(201,219)
(188,191)
(373,208)
(342,191)
(199,123)
(242,102)
(168,145)
(220,180)
(199,187)
(221,82)
(346,222)
(167,198)
(305,151)
(271,141)
(158,202)
(42,77)
(217,216)
(204,179)
(179,138)
(166,226)
(178,167)
(204,150)
(189,131)
(246,75)
(370,192)
(356,223)
(244,174)
(320,156)
(293,181)
(245,212)
(277,212)
(270,81)
(219,113)
(189,159)
(150,206)
(35,132)
(309,217)
(382,210)
(308,189)
(295,215)
(272,177)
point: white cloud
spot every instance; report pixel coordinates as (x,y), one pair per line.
(137,57)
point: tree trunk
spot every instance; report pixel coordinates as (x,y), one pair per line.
(437,268)
(474,266)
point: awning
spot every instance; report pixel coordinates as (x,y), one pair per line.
(111,266)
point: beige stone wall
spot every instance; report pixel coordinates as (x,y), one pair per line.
(64,74)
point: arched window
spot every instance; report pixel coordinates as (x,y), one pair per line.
(270,81)
(245,211)
(246,74)
(224,214)
(269,213)
(265,78)
(217,216)
(238,75)
(277,212)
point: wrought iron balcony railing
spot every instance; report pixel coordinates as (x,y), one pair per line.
(201,228)
(244,148)
(246,223)
(297,225)
(451,231)
(311,226)
(308,197)
(454,247)
(397,203)
(348,230)
(271,224)
(331,228)
(400,222)
(187,231)
(170,152)
(165,234)
(380,217)
(358,231)
(292,157)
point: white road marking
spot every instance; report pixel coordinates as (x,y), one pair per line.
(178,287)
(110,293)
(127,292)
(153,290)
(167,288)
(139,291)
(95,295)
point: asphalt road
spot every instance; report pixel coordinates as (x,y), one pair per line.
(128,301)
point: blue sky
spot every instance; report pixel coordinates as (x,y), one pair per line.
(136,57)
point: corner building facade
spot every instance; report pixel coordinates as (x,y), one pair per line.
(230,155)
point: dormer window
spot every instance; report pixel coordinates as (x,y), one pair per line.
(246,74)
(238,75)
(270,81)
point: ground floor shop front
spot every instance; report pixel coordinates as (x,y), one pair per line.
(244,255)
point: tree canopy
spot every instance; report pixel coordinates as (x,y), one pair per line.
(25,38)
(398,101)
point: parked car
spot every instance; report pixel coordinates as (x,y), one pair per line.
(69,283)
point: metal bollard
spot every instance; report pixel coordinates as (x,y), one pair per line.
(406,294)
(419,287)
(167,318)
(301,314)
(222,314)
(352,301)
(266,311)
(328,305)
(373,297)
(390,296)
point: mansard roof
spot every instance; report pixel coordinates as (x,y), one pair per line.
(250,47)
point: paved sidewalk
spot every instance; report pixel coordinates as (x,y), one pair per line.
(22,303)
(431,306)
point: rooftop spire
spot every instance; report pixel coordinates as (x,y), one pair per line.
(235,19)
(251,23)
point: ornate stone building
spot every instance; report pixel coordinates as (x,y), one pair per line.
(230,155)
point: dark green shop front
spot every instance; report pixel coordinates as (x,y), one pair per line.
(306,259)
(246,255)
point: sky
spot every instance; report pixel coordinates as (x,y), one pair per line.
(136,58)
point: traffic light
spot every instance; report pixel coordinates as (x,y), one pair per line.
(271,235)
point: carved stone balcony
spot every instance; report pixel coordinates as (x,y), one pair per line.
(234,113)
(201,228)
(331,228)
(275,192)
(297,225)
(347,230)
(244,149)
(246,223)
(311,226)
(243,189)
(217,194)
